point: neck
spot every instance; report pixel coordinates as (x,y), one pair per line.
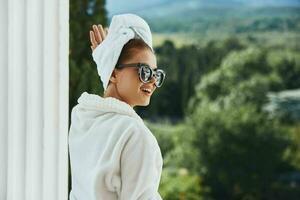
(112,91)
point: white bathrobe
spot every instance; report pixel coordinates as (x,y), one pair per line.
(114,156)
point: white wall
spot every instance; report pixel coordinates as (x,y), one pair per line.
(34,99)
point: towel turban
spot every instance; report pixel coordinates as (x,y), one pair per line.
(122,28)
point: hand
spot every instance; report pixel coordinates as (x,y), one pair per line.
(97,35)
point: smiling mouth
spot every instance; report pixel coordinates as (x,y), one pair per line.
(146,91)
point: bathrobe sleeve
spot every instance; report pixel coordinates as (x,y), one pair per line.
(141,165)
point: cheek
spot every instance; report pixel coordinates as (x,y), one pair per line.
(129,82)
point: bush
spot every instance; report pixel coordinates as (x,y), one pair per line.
(178,184)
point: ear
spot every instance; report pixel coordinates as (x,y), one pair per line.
(113,77)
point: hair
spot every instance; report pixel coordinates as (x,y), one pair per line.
(129,49)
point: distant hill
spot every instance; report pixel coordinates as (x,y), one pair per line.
(227,19)
(195,21)
(147,7)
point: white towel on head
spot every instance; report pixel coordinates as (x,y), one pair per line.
(122,28)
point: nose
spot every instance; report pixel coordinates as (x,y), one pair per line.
(153,79)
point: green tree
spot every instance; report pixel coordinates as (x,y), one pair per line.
(240,150)
(286,63)
(243,77)
(178,184)
(83,73)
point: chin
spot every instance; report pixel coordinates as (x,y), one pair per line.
(145,103)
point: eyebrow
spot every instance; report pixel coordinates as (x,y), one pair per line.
(148,65)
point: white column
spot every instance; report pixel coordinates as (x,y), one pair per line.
(3,98)
(34,99)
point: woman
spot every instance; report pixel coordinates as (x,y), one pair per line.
(113,154)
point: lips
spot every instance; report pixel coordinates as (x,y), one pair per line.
(147,90)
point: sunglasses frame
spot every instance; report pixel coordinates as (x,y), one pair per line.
(140,65)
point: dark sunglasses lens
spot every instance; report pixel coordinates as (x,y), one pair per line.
(146,73)
(159,78)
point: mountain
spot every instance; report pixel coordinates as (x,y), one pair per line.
(214,16)
(117,6)
(147,7)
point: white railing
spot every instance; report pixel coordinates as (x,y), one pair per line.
(34,39)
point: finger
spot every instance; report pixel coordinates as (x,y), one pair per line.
(92,48)
(97,34)
(100,28)
(106,30)
(92,39)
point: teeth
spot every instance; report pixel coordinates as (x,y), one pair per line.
(146,90)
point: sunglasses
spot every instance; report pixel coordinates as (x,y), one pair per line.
(146,73)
